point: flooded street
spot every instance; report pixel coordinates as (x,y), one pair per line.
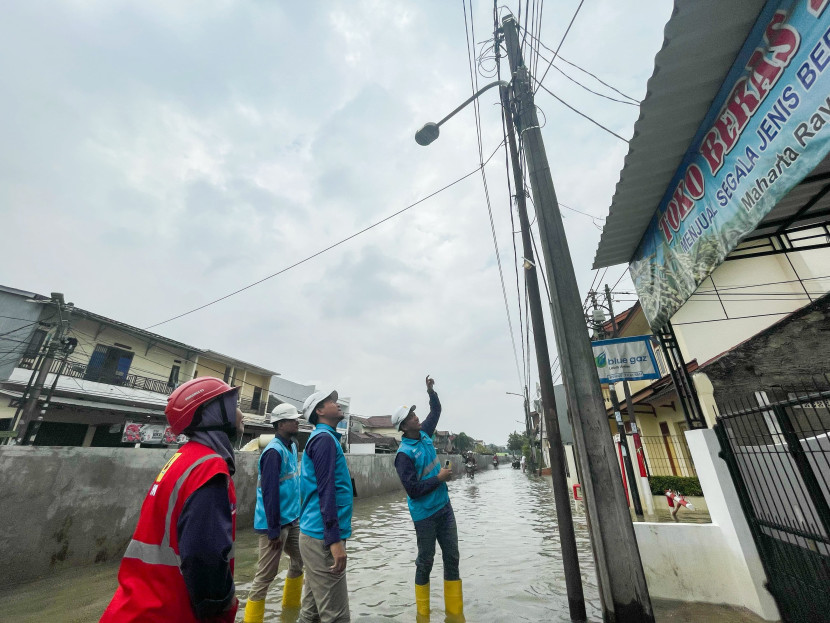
(510,564)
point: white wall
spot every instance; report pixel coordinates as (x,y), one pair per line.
(713,563)
(361,448)
(746,288)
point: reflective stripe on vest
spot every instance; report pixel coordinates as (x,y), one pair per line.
(163,554)
(429,468)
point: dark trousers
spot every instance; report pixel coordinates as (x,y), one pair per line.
(439,527)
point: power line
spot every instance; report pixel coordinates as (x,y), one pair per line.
(559,47)
(579,112)
(583,70)
(469,32)
(589,89)
(25,326)
(330,247)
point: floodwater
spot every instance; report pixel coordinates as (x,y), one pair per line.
(510,565)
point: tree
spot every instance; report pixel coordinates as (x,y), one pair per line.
(463,442)
(479,449)
(515,441)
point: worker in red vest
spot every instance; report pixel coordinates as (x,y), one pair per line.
(179,564)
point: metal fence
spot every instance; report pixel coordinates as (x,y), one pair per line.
(668,455)
(777,447)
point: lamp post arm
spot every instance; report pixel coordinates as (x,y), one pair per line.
(497,83)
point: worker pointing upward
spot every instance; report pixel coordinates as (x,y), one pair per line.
(425,481)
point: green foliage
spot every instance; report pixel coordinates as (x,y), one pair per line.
(463,442)
(515,441)
(685,485)
(479,449)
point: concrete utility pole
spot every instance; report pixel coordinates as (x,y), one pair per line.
(622,583)
(629,409)
(57,345)
(564,519)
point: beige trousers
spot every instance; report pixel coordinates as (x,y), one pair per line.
(325,595)
(269,561)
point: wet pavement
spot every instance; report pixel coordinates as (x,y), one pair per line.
(510,565)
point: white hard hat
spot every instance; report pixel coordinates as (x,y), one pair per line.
(400,415)
(315,399)
(284,411)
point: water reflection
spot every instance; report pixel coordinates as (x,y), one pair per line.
(510,558)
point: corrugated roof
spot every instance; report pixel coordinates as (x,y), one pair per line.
(702,40)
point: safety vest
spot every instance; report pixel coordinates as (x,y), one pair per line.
(289,486)
(150,583)
(427,465)
(311,520)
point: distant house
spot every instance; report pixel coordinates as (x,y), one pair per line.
(444,441)
(373,435)
(118,377)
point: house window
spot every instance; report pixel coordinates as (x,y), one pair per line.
(227,374)
(173,381)
(257,397)
(109,364)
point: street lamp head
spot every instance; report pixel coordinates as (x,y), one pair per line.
(427,134)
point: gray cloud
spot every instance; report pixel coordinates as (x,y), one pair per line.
(183,153)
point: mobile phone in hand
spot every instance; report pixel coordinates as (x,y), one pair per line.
(447,464)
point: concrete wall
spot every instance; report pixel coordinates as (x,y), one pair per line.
(713,563)
(17,326)
(65,507)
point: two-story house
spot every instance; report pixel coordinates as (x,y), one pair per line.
(117,379)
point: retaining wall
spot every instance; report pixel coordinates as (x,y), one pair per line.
(65,507)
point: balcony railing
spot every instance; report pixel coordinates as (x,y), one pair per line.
(78,370)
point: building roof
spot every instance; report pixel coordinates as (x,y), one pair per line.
(375,438)
(238,362)
(147,335)
(701,42)
(658,389)
(375,421)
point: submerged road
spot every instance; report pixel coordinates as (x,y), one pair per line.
(510,564)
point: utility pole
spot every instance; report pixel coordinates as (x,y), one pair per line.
(58,344)
(622,583)
(629,408)
(564,519)
(615,402)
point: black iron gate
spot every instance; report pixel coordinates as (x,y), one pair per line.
(777,447)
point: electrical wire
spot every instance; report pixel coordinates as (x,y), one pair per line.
(469,33)
(589,89)
(559,47)
(328,248)
(579,112)
(585,71)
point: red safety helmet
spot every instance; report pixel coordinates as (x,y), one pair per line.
(188,397)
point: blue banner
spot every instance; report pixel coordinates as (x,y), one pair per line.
(763,134)
(625,359)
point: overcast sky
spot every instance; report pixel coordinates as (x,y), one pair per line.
(157,155)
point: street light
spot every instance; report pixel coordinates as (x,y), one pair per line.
(430,131)
(515,394)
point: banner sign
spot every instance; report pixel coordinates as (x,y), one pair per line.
(150,434)
(763,134)
(625,359)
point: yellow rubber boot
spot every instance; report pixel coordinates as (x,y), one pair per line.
(292,592)
(422,599)
(254,611)
(453,599)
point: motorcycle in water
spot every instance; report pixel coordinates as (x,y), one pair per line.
(495,461)
(470,467)
(516,463)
